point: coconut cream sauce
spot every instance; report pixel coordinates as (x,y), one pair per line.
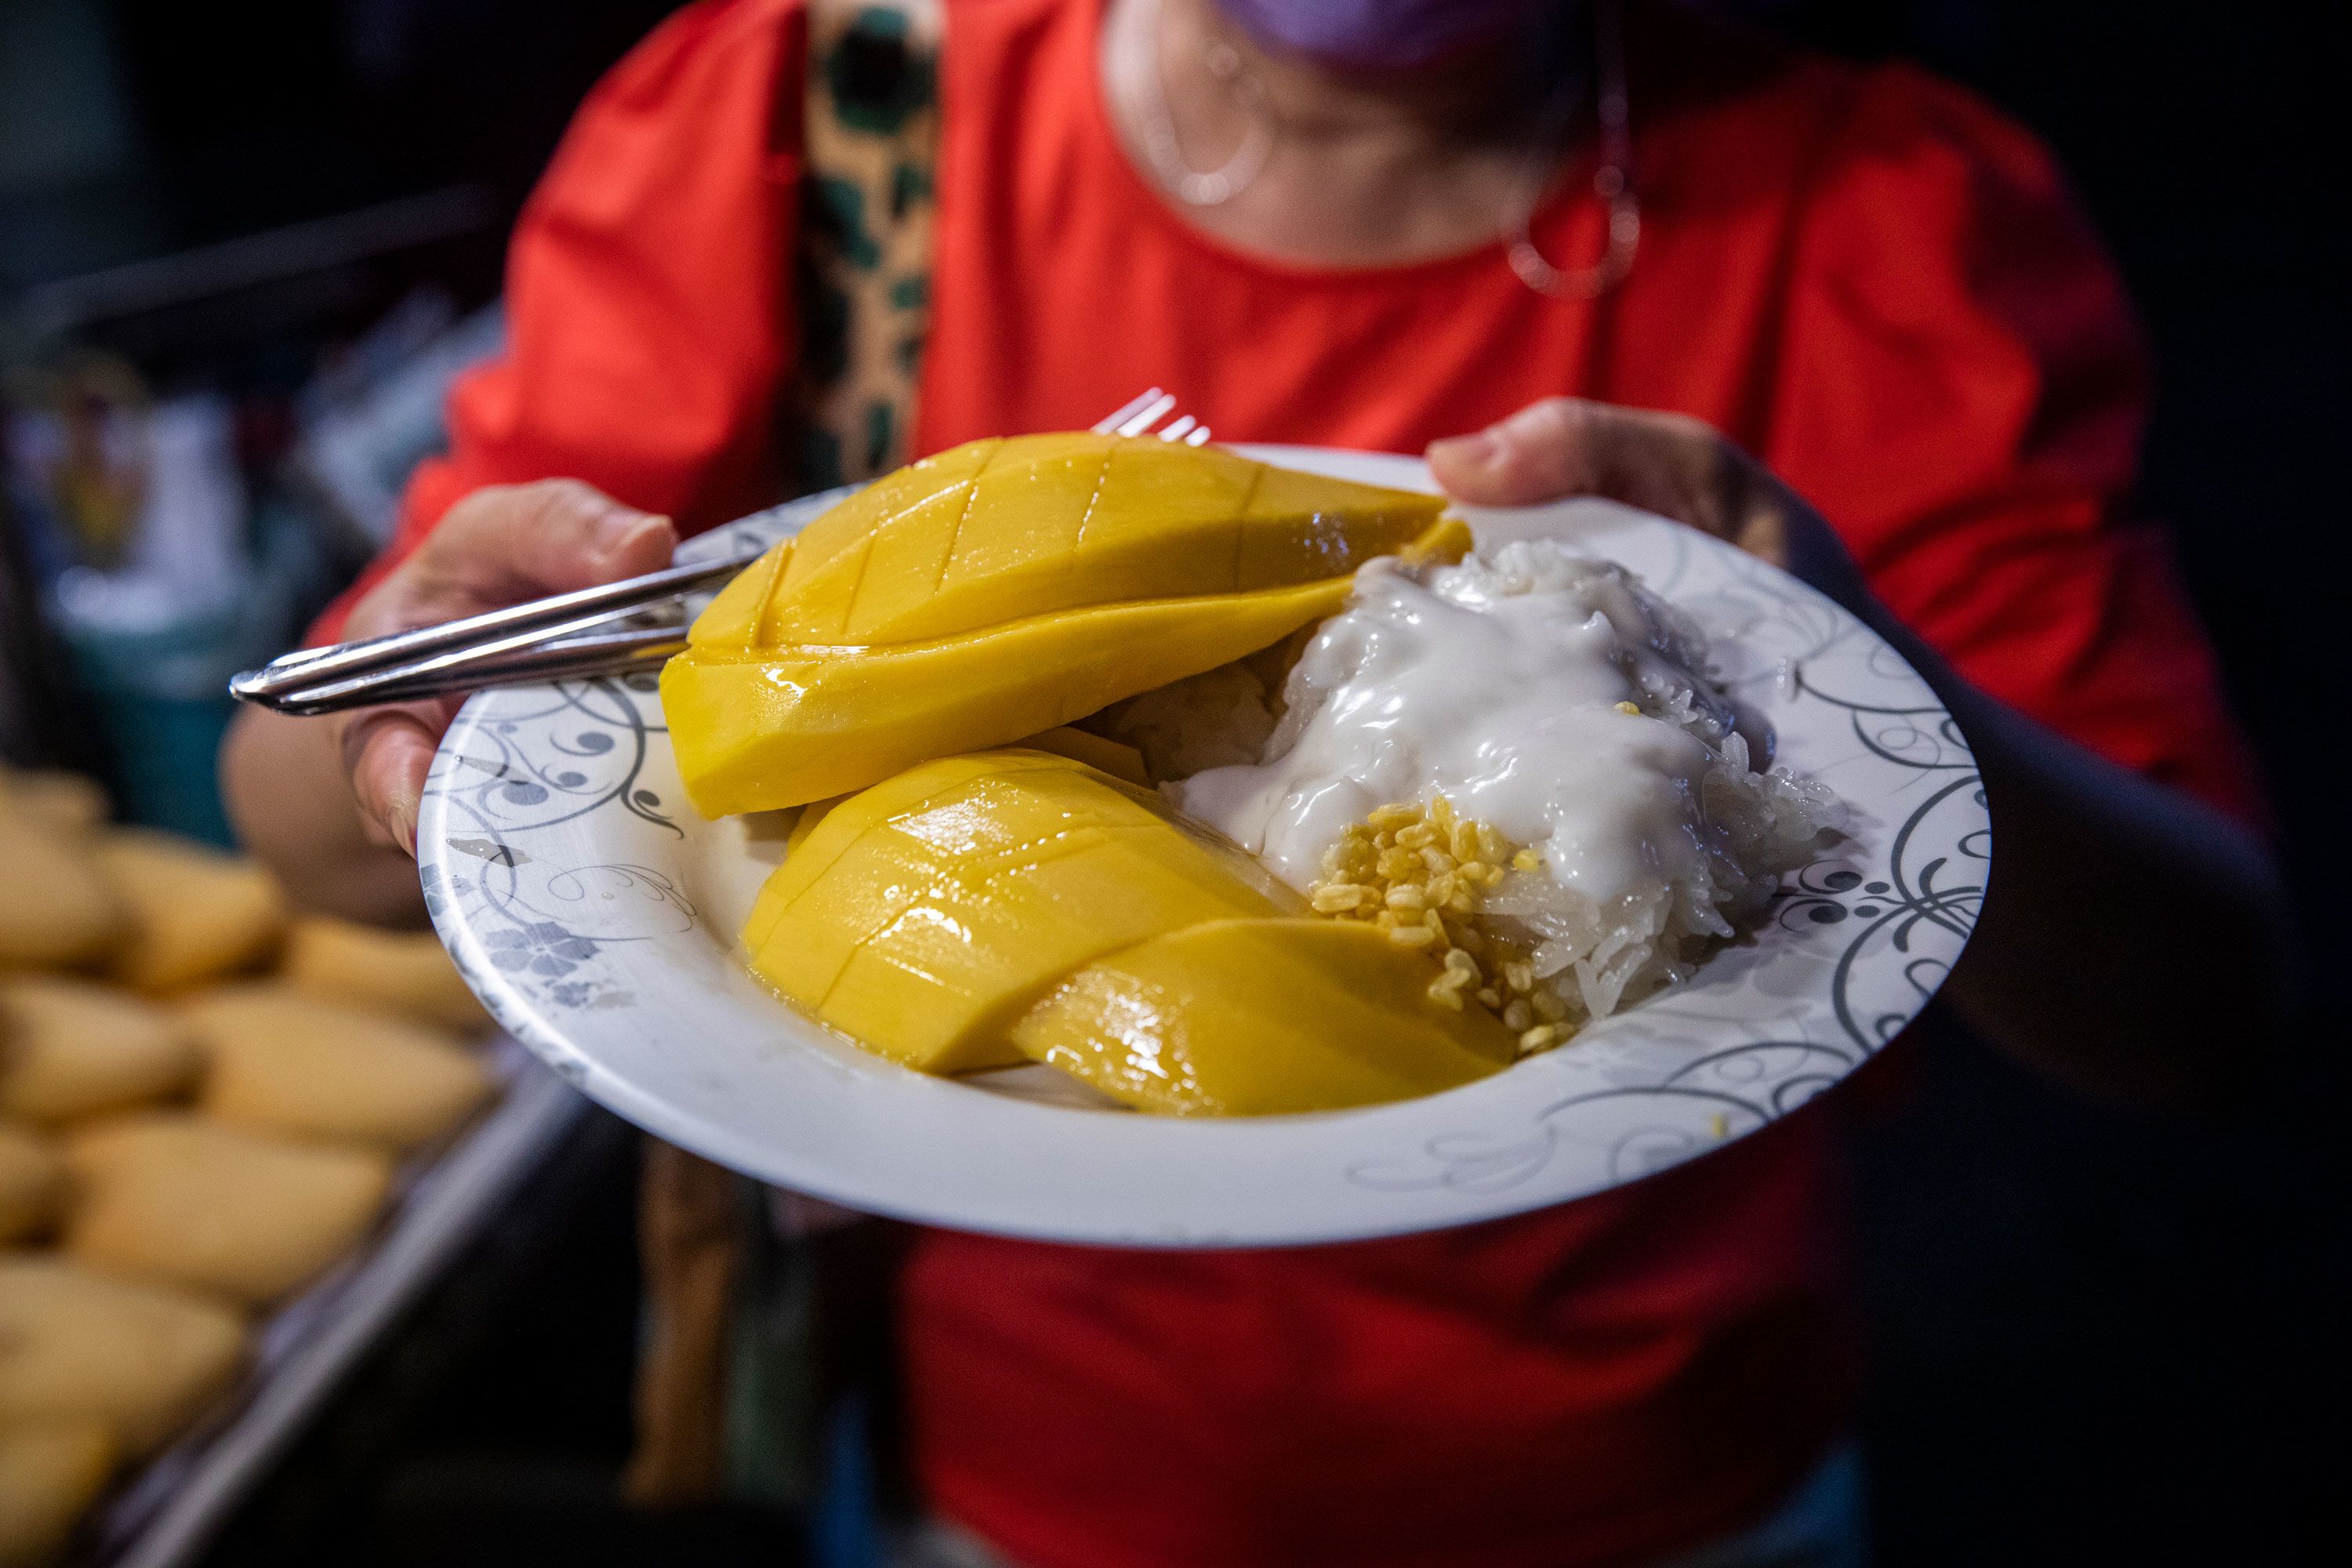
(1497,685)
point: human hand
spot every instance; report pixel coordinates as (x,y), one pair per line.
(2099,866)
(1666,463)
(497,547)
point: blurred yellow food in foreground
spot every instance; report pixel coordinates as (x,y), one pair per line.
(31,1179)
(922,915)
(197,912)
(49,1472)
(65,802)
(77,1345)
(283,1060)
(72,1049)
(1253,1017)
(160,1225)
(60,910)
(176,1198)
(400,971)
(1000,589)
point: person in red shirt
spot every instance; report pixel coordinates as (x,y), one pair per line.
(1856,286)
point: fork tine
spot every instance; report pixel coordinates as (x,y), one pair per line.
(1127,410)
(1199,437)
(1151,414)
(1175,430)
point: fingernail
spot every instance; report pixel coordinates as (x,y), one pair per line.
(1478,449)
(616,528)
(401,820)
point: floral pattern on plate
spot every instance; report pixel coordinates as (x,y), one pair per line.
(594,912)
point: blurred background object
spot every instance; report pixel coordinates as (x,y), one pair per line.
(241,256)
(243,249)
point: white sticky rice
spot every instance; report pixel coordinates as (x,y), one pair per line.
(1548,694)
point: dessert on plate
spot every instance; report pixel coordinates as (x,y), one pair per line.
(1226,788)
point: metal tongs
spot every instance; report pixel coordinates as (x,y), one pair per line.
(542,639)
(554,638)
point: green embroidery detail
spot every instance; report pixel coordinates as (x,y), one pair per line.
(868,198)
(876,79)
(825,329)
(838,210)
(821,466)
(909,184)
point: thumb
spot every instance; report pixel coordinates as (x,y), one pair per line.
(1543,452)
(1670,464)
(387,753)
(509,543)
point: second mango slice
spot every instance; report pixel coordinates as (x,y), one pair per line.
(925,914)
(1254,1018)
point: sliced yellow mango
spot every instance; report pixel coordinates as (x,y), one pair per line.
(758,731)
(838,548)
(805,823)
(1004,588)
(1257,1017)
(731,620)
(767,907)
(1117,758)
(903,791)
(999,531)
(923,915)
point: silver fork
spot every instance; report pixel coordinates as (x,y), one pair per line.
(1147,409)
(555,638)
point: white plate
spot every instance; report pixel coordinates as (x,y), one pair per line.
(597,913)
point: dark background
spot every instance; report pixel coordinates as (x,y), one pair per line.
(2097,1337)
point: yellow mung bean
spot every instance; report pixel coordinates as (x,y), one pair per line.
(1418,873)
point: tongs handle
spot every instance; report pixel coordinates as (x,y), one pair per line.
(574,658)
(520,642)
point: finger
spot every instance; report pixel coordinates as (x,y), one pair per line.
(1562,446)
(1669,464)
(517,541)
(387,752)
(1541,453)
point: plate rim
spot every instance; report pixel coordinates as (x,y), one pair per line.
(666,1116)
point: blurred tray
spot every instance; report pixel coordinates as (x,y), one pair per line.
(168,1511)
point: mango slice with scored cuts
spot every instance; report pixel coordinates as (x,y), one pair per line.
(1002,529)
(798,724)
(924,915)
(1004,588)
(1255,1017)
(1117,758)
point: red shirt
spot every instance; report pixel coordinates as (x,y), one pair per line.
(1863,275)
